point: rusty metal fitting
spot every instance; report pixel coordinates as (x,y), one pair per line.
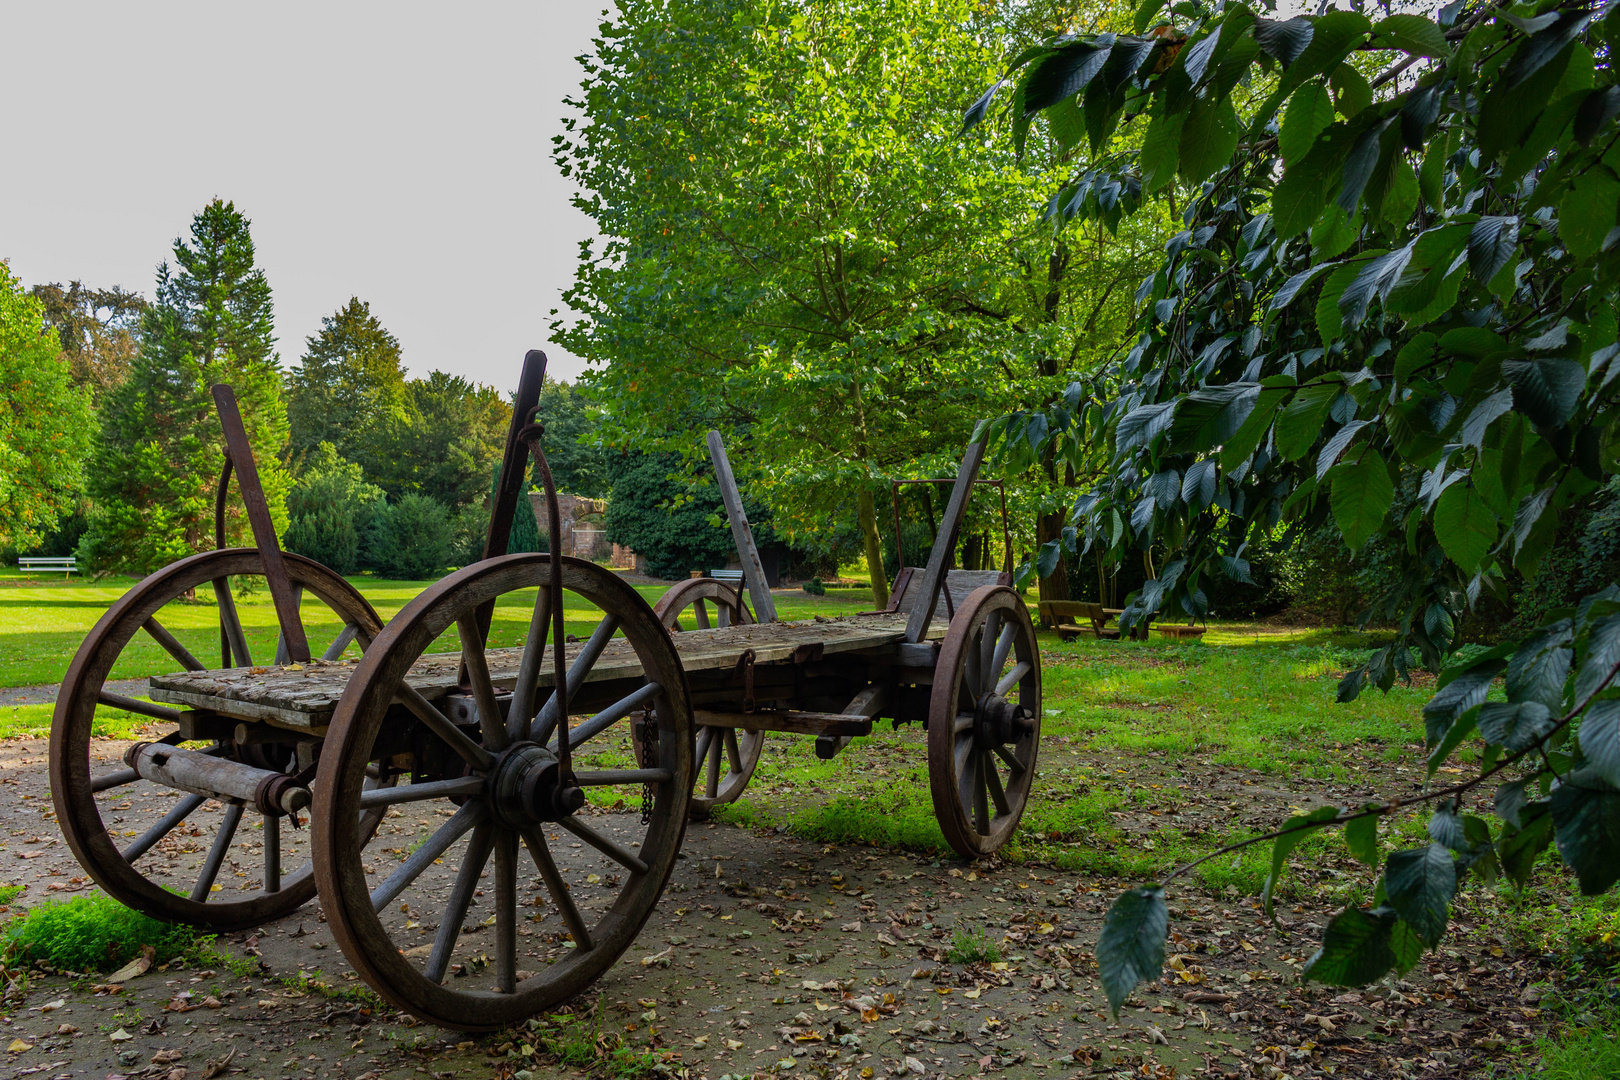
(277,795)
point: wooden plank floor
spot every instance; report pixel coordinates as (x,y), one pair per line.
(303,696)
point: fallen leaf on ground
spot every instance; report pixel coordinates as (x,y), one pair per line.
(120,1036)
(18,1046)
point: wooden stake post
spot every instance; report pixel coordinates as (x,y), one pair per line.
(922,613)
(759,590)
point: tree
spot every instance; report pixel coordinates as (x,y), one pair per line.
(330,509)
(154,468)
(453,433)
(97,329)
(349,389)
(796,251)
(579,464)
(410,539)
(1391,313)
(46,426)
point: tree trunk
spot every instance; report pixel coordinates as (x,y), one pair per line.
(874,549)
(1055,587)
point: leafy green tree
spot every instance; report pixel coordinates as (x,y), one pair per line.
(579,463)
(349,389)
(97,329)
(669,517)
(1391,313)
(796,251)
(452,435)
(154,469)
(329,509)
(46,426)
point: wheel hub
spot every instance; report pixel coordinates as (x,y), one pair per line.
(997,721)
(528,787)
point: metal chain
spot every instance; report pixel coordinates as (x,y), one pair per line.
(647,736)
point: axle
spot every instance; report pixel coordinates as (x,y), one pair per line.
(218,778)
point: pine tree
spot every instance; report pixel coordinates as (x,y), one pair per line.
(153,473)
(349,389)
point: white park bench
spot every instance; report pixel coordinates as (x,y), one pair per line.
(65,563)
(732,577)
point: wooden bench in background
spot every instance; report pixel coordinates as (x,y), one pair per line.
(52,563)
(1065,616)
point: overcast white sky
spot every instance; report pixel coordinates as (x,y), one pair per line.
(395,152)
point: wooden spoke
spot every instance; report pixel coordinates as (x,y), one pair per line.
(705,739)
(144,842)
(610,777)
(1011,759)
(963,722)
(578,672)
(711,783)
(171,644)
(701,609)
(987,648)
(555,885)
(972,675)
(490,721)
(272,853)
(1013,677)
(733,753)
(997,794)
(465,819)
(216,854)
(1004,644)
(506,912)
(607,846)
(981,806)
(440,725)
(455,912)
(231,626)
(528,678)
(432,789)
(340,643)
(284,657)
(114,779)
(723,615)
(611,715)
(144,708)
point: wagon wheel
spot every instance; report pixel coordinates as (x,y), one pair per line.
(736,751)
(410,926)
(731,609)
(101,809)
(984,721)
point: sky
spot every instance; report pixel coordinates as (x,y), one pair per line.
(395,152)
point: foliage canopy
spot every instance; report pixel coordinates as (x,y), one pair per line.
(1391,310)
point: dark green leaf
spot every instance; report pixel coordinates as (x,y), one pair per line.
(1463,692)
(1588,211)
(1412,33)
(1465,526)
(1337,444)
(1198,487)
(1376,279)
(1446,828)
(1283,39)
(1491,244)
(1130,948)
(1355,949)
(1300,423)
(1540,50)
(1483,416)
(1208,137)
(1293,285)
(1333,37)
(1586,813)
(1514,725)
(1510,799)
(1360,165)
(1518,848)
(1600,659)
(1420,884)
(1361,837)
(1063,73)
(1161,148)
(1598,108)
(1600,739)
(975,112)
(1540,666)
(1309,113)
(1144,424)
(1293,831)
(1361,497)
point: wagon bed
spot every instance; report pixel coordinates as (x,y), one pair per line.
(302,697)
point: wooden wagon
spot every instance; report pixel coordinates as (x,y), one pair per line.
(426,771)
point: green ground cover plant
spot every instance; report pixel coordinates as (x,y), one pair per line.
(92,934)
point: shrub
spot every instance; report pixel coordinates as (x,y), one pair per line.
(815,587)
(93,933)
(675,524)
(330,508)
(411,539)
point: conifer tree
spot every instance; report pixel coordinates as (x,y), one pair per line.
(153,473)
(349,389)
